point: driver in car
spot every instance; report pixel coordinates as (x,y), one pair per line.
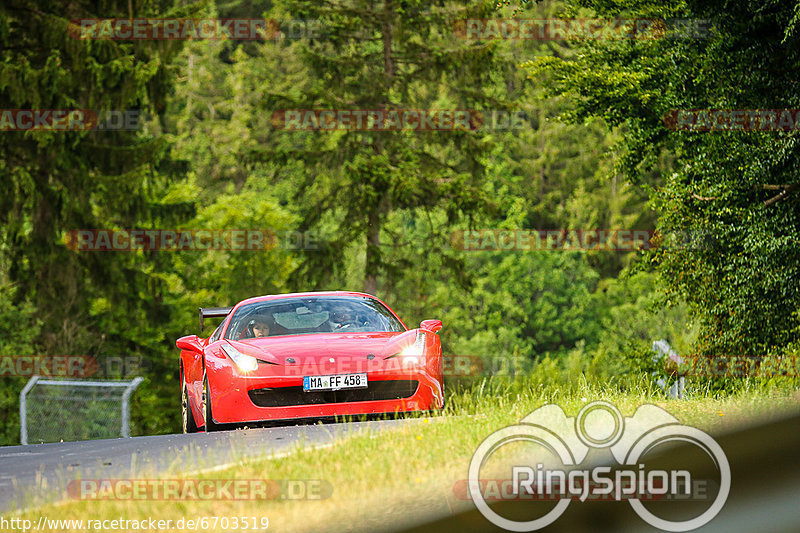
(342,318)
(261,327)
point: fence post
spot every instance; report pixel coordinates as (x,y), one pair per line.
(23,412)
(126,408)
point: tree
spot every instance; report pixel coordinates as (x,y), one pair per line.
(385,56)
(56,181)
(739,188)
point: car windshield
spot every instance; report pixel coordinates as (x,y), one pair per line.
(312,314)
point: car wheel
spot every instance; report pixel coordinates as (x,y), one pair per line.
(189,425)
(210,425)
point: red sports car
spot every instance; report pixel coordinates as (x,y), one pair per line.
(308,355)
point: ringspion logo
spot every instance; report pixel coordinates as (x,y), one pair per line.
(598,425)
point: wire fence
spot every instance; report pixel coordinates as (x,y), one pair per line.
(70,410)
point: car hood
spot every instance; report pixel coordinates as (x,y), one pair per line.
(315,346)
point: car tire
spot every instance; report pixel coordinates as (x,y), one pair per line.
(209,417)
(189,425)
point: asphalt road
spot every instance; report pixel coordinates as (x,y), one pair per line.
(38,473)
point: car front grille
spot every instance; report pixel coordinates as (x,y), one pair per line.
(391,389)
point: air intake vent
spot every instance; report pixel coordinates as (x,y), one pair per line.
(377,390)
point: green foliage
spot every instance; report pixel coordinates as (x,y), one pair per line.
(19,330)
(742,286)
(548,308)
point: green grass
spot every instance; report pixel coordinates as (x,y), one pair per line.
(380,479)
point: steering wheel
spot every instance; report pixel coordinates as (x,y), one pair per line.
(247,333)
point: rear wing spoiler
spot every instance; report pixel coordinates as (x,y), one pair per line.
(213,312)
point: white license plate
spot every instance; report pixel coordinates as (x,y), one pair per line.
(335,382)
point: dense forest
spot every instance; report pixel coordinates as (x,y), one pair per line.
(573,133)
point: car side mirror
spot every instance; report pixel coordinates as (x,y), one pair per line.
(189,342)
(431,325)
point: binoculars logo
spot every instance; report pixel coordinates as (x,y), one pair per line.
(599,425)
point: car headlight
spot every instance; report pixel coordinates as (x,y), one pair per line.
(414,352)
(246,363)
